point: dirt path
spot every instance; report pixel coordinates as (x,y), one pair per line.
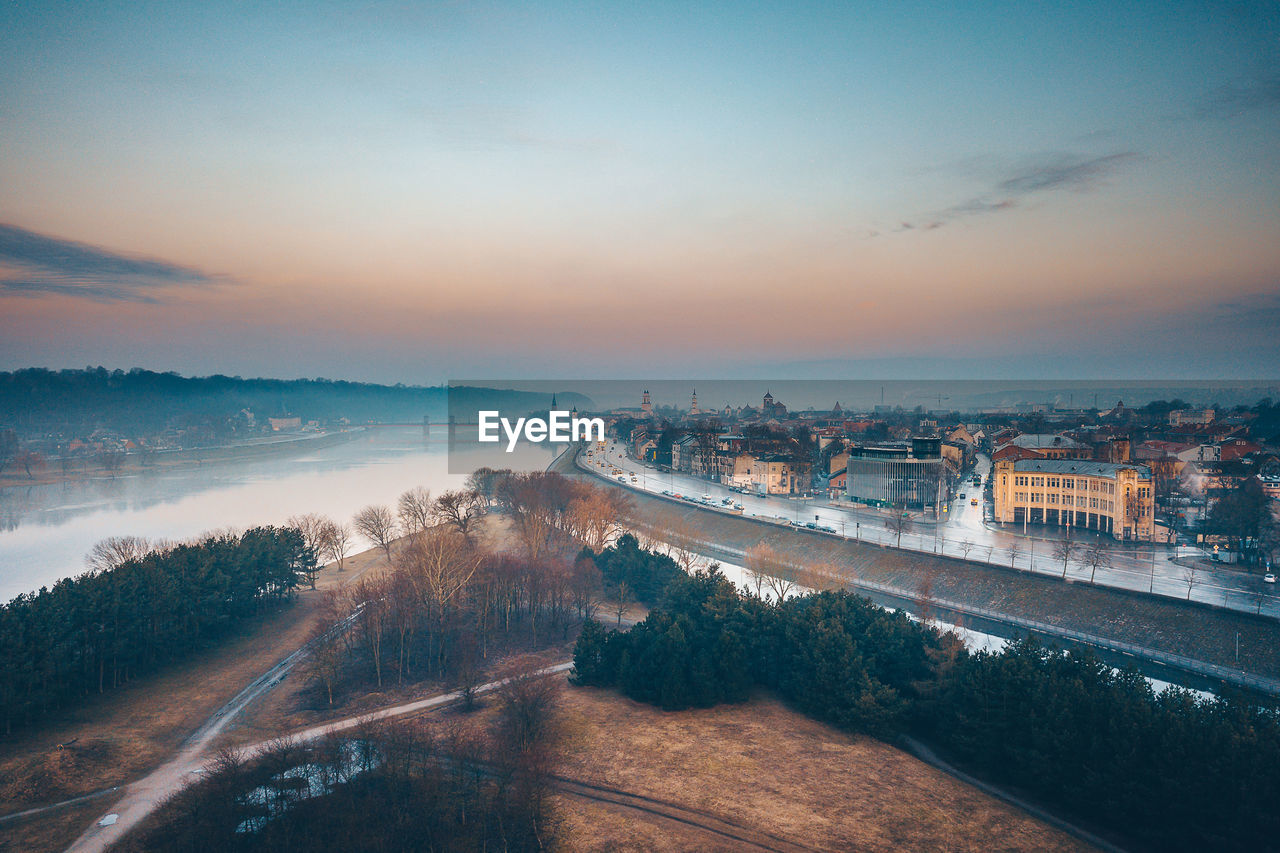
(722,828)
(143,796)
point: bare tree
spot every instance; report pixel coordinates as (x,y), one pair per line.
(324,659)
(585,582)
(965,547)
(313,527)
(439,564)
(623,600)
(1064,550)
(369,600)
(527,698)
(766,566)
(1014,551)
(414,508)
(1097,557)
(680,538)
(898,523)
(458,508)
(336,542)
(377,523)
(1191,577)
(115,551)
(597,515)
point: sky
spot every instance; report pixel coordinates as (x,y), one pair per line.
(404,192)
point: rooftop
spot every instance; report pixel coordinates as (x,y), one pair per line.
(1042,441)
(1079,466)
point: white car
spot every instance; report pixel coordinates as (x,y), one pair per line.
(1269,577)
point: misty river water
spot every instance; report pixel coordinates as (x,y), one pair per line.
(46,530)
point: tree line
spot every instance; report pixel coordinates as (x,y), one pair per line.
(446,599)
(138,608)
(1170,769)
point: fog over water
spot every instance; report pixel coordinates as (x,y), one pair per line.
(46,530)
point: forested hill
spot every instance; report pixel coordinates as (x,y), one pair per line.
(36,401)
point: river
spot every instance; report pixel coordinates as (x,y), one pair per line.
(46,530)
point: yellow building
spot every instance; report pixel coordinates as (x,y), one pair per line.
(1107,497)
(772,475)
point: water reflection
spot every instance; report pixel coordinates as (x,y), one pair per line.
(46,530)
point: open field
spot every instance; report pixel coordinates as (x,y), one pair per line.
(765,769)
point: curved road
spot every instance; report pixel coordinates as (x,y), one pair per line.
(963,533)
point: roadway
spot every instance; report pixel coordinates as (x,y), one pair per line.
(963,532)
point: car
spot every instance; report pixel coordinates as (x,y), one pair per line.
(1269,577)
(962,495)
(739,507)
(667,492)
(973,502)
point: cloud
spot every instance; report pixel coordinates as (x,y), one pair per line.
(1239,97)
(33,264)
(1040,174)
(1063,171)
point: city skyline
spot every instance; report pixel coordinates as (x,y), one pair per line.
(394,195)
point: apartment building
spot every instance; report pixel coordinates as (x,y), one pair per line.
(1107,497)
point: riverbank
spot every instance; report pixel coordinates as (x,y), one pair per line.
(85,468)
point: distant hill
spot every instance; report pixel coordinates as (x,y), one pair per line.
(37,401)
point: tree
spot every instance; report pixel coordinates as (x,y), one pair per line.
(596,516)
(623,599)
(324,654)
(115,551)
(30,460)
(765,566)
(1189,574)
(312,527)
(1064,550)
(585,584)
(1097,557)
(1240,515)
(8,448)
(336,542)
(377,524)
(1014,551)
(527,697)
(414,508)
(459,508)
(898,523)
(965,547)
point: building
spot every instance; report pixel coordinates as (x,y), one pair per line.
(683,450)
(1108,497)
(1191,417)
(772,475)
(906,474)
(735,469)
(1047,446)
(285,423)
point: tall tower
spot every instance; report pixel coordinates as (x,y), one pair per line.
(645,406)
(693,406)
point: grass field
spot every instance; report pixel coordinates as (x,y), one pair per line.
(763,766)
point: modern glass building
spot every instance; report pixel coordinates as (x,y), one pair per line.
(907,474)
